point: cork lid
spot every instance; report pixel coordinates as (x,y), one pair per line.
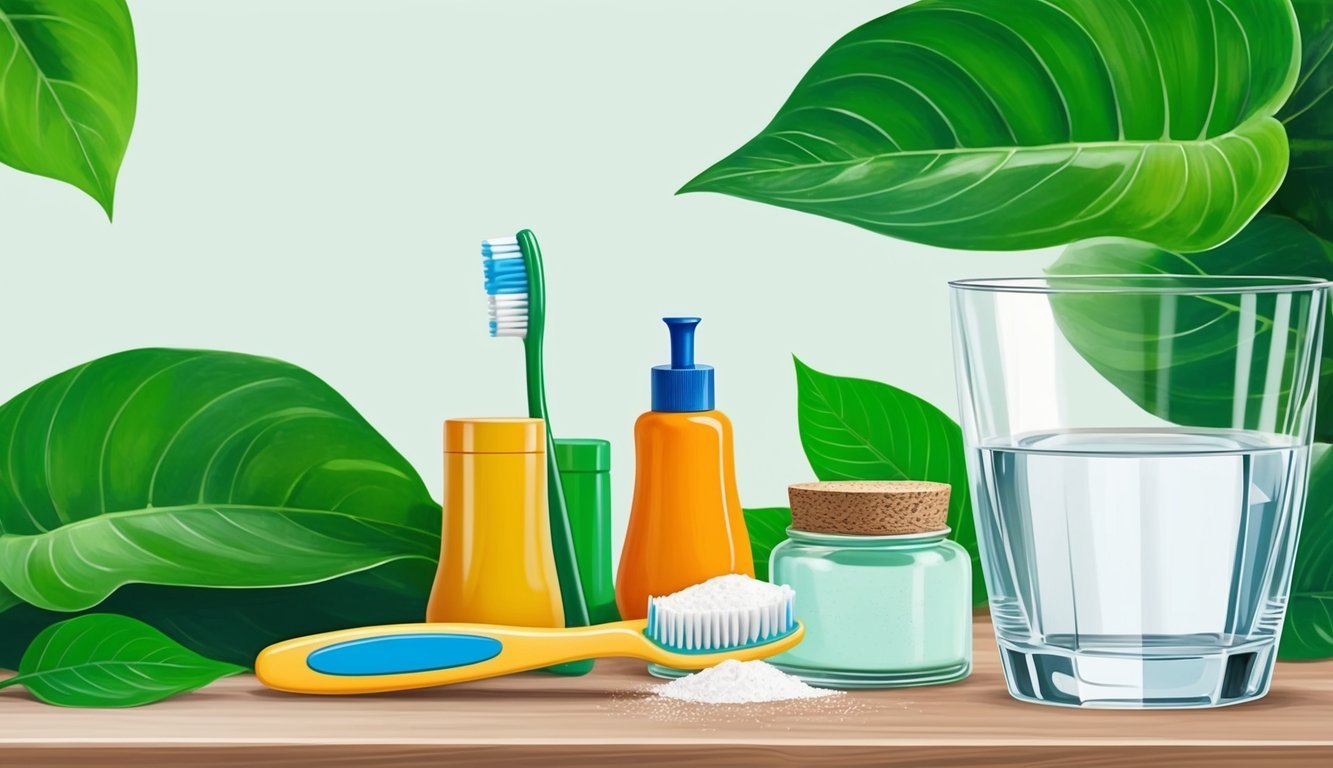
(870,508)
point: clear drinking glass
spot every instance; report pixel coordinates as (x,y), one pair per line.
(1138,450)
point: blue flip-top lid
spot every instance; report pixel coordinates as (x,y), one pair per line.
(682,386)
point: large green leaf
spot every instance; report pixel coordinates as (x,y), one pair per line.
(767,527)
(234,625)
(230,545)
(1308,630)
(1307,194)
(1181,364)
(104,660)
(994,124)
(854,429)
(68,90)
(8,599)
(204,469)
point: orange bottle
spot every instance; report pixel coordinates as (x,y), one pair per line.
(686,524)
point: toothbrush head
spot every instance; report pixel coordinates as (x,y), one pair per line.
(724,614)
(506,286)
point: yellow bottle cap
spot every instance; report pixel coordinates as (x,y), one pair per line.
(500,435)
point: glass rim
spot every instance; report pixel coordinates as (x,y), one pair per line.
(1143,284)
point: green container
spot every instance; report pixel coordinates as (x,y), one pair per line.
(879,611)
(585,472)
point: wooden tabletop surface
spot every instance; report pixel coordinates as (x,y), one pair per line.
(608,718)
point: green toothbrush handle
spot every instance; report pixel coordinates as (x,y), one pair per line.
(562,538)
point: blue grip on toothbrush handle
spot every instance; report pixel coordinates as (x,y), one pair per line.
(403,654)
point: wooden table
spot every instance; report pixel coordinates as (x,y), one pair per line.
(607,719)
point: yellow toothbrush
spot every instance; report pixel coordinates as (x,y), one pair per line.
(400,657)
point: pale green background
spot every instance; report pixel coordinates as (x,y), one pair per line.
(309,179)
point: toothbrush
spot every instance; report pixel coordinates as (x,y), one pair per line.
(516,290)
(401,657)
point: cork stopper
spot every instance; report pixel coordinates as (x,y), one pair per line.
(870,508)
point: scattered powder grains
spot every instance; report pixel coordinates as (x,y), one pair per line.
(739,682)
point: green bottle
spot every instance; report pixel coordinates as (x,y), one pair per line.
(585,473)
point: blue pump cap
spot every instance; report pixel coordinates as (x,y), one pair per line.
(682,387)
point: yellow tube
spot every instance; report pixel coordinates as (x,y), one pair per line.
(496,561)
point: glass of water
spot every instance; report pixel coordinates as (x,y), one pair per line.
(1138,450)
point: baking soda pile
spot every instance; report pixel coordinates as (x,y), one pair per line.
(739,682)
(724,612)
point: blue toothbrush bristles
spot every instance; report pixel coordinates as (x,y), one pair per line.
(506,275)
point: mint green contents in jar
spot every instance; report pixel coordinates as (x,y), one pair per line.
(885,596)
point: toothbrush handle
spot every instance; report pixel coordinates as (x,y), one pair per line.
(407,656)
(400,657)
(562,538)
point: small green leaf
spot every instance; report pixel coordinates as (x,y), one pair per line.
(854,429)
(1001,125)
(1308,631)
(1307,194)
(68,91)
(768,528)
(1122,336)
(105,660)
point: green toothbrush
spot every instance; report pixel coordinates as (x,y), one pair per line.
(516,289)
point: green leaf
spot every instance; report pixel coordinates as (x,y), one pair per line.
(206,469)
(68,90)
(1308,631)
(768,528)
(998,125)
(199,545)
(234,625)
(854,429)
(196,469)
(104,660)
(1307,194)
(1122,336)
(8,599)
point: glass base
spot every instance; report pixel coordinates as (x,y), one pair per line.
(1185,679)
(668,673)
(824,678)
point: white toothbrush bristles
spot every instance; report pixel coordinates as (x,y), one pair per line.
(721,614)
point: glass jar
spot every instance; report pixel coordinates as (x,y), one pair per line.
(879,611)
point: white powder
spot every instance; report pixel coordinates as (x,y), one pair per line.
(739,682)
(732,592)
(727,612)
